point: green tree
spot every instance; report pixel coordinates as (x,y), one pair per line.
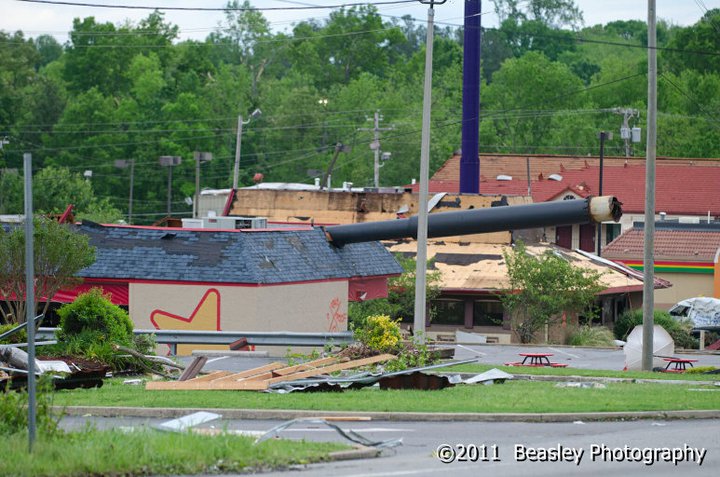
(59,254)
(57,187)
(400,303)
(518,100)
(543,287)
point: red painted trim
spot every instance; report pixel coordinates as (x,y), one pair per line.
(627,289)
(300,227)
(246,285)
(192,315)
(229,202)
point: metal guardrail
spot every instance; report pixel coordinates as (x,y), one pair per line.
(258,338)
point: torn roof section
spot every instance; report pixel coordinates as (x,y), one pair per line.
(253,257)
(468,267)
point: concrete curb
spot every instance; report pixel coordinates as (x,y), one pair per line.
(280,414)
(360,452)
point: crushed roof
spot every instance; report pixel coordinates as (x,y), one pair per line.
(467,266)
(256,257)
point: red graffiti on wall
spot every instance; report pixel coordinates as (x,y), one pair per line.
(335,317)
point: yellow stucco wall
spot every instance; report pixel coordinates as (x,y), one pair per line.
(304,307)
(685,285)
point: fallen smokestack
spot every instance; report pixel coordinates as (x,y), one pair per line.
(477,221)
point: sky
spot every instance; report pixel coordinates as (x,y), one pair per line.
(36,19)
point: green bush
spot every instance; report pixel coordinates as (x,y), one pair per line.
(679,330)
(92,315)
(591,336)
(379,332)
(14,413)
(17,337)
(89,327)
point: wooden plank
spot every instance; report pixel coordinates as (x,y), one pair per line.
(211,376)
(262,371)
(205,385)
(194,368)
(306,366)
(332,368)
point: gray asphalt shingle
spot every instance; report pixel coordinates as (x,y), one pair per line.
(256,257)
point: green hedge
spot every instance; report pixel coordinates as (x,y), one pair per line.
(679,330)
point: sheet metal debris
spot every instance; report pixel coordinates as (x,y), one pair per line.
(262,378)
(357,381)
(490,376)
(349,434)
(186,422)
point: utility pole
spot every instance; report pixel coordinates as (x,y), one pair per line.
(649,245)
(238,144)
(375,145)
(30,299)
(421,255)
(169,162)
(122,164)
(626,133)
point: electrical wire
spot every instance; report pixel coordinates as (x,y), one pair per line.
(217,9)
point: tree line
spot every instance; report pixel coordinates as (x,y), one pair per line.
(135,92)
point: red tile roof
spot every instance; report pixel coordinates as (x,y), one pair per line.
(670,244)
(683,187)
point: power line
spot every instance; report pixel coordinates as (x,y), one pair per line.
(216,9)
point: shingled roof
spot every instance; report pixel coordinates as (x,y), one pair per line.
(673,241)
(683,186)
(249,257)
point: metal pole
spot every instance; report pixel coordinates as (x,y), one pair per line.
(603,135)
(169,194)
(376,142)
(238,144)
(421,265)
(30,297)
(132,183)
(649,250)
(196,202)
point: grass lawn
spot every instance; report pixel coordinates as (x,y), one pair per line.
(151,453)
(479,368)
(513,396)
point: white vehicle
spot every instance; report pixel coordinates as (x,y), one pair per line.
(704,312)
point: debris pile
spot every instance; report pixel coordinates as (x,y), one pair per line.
(67,372)
(324,375)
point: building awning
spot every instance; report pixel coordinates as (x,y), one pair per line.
(119,292)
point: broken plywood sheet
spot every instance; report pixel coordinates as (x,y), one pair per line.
(259,379)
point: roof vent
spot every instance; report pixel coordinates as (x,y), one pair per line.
(168,236)
(503,177)
(555,177)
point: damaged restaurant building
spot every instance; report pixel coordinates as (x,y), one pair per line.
(472,267)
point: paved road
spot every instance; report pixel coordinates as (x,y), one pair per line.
(417,456)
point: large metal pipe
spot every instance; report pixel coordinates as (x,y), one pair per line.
(476,221)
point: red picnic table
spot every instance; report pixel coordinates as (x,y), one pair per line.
(679,364)
(536,359)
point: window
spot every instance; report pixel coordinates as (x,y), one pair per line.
(611,232)
(449,312)
(487,313)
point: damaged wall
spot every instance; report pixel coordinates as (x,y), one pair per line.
(352,207)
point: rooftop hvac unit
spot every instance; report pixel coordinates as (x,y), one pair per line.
(250,222)
(193,223)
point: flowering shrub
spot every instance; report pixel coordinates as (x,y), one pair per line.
(379,332)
